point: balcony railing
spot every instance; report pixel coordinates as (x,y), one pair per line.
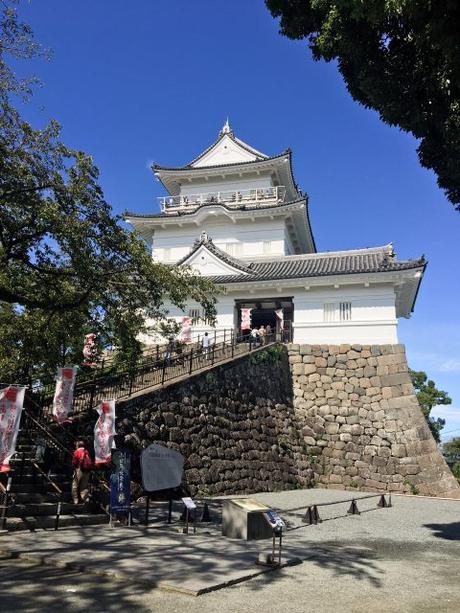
(237,198)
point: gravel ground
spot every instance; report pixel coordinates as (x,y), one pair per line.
(405,558)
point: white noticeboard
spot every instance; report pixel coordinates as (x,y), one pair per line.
(189,503)
(162,468)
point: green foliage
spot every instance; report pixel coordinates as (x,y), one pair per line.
(428,397)
(412,488)
(267,356)
(451,451)
(400,58)
(67,264)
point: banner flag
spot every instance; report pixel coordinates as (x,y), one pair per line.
(280,316)
(246,319)
(63,396)
(90,350)
(186,333)
(11,403)
(120,482)
(104,431)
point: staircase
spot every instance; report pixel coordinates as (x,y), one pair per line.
(39,500)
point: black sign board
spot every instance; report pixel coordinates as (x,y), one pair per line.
(120,492)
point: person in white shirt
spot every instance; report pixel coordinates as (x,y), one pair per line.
(253,338)
(205,343)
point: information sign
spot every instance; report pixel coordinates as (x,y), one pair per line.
(162,468)
(120,481)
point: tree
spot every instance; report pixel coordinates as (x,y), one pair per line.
(451,451)
(67,264)
(428,397)
(400,58)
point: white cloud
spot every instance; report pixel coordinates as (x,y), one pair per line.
(450,366)
(447,412)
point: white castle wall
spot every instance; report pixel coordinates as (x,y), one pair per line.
(266,239)
(373,319)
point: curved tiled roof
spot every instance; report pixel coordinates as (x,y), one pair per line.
(189,168)
(380,259)
(234,207)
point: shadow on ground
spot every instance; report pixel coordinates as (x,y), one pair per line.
(450,532)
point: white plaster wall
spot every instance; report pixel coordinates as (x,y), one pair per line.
(172,244)
(229,185)
(373,314)
(373,319)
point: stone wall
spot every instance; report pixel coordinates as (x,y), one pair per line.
(363,422)
(235,425)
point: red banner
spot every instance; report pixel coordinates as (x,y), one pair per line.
(246,319)
(11,401)
(104,431)
(186,333)
(63,396)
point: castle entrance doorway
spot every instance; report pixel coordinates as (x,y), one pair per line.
(263,313)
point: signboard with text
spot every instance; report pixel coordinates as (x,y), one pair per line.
(120,479)
(162,468)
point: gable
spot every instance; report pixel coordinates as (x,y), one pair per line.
(208,264)
(225,151)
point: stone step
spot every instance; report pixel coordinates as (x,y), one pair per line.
(41,487)
(35,497)
(46,508)
(47,522)
(26,479)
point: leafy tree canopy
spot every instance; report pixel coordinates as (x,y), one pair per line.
(67,264)
(398,57)
(451,451)
(428,397)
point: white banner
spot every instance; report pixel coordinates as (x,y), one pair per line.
(186,332)
(11,402)
(104,431)
(280,315)
(246,319)
(63,396)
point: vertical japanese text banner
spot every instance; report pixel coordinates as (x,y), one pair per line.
(186,332)
(104,431)
(63,396)
(245,319)
(11,403)
(280,316)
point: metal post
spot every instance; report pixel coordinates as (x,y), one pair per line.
(225,336)
(6,504)
(191,361)
(280,544)
(147,510)
(212,358)
(186,521)
(163,371)
(58,515)
(170,511)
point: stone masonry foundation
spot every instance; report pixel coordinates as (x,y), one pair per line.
(343,417)
(363,420)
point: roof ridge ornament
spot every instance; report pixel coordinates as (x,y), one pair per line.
(226,128)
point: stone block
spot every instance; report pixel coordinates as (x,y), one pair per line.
(332,428)
(307,359)
(398,450)
(304,349)
(294,359)
(321,362)
(308,368)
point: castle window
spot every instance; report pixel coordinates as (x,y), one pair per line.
(337,311)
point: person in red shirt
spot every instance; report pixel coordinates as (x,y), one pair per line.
(82,464)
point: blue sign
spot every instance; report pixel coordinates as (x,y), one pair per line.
(120,481)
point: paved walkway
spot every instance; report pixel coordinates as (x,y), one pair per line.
(374,561)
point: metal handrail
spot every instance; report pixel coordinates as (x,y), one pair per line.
(237,197)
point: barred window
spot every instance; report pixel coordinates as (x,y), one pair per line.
(345,311)
(337,311)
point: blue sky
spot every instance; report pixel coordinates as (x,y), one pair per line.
(136,82)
